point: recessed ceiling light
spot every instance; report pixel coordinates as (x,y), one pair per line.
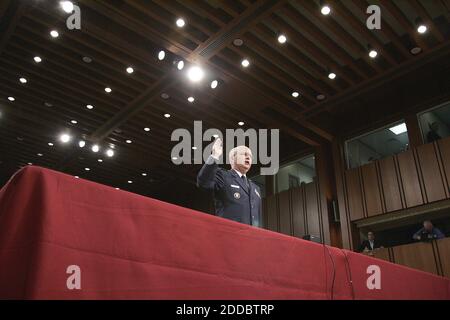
(373,54)
(326,10)
(167,115)
(37,59)
(90,107)
(130,182)
(214,84)
(165,96)
(399,129)
(40,155)
(332,75)
(238,42)
(144,174)
(74,121)
(50,144)
(81,143)
(65,138)
(241,123)
(191,99)
(245,63)
(128,141)
(422,29)
(95,148)
(416,50)
(282,38)
(54,34)
(23,80)
(100,160)
(180,23)
(161,55)
(48,104)
(87,169)
(110,153)
(67,6)
(87,59)
(295,94)
(11,99)
(130,70)
(195,74)
(180,65)
(147,129)
(320,97)
(108,90)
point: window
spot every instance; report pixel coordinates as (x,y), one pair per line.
(295,173)
(435,123)
(376,145)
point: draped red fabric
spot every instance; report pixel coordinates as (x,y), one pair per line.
(127,246)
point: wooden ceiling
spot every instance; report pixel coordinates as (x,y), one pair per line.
(117,34)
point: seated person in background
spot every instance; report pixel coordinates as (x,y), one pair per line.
(428,232)
(433,133)
(370,244)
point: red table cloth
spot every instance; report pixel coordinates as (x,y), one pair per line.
(128,246)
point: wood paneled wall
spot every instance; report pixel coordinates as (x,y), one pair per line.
(296,212)
(412,178)
(433,257)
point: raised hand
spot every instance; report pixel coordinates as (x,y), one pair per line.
(217,148)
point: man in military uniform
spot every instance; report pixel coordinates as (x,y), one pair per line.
(235,196)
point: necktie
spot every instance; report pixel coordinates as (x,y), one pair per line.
(244,178)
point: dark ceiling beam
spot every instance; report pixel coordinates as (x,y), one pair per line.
(10,19)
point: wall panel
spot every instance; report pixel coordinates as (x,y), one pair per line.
(433,181)
(410,179)
(354,194)
(298,212)
(390,184)
(372,193)
(284,204)
(312,209)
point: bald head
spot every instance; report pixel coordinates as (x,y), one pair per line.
(241,159)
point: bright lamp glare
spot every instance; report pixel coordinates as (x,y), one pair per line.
(195,74)
(399,129)
(180,65)
(422,29)
(214,84)
(95,148)
(110,153)
(65,138)
(67,6)
(325,10)
(81,143)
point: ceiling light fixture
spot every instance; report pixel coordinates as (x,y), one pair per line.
(282,38)
(332,75)
(180,65)
(65,138)
(23,80)
(128,141)
(110,153)
(95,148)
(167,115)
(191,99)
(146,129)
(214,84)
(90,107)
(180,23)
(37,59)
(161,55)
(130,70)
(108,90)
(325,8)
(54,34)
(295,94)
(81,143)
(67,6)
(195,74)
(12,99)
(245,63)
(399,129)
(241,123)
